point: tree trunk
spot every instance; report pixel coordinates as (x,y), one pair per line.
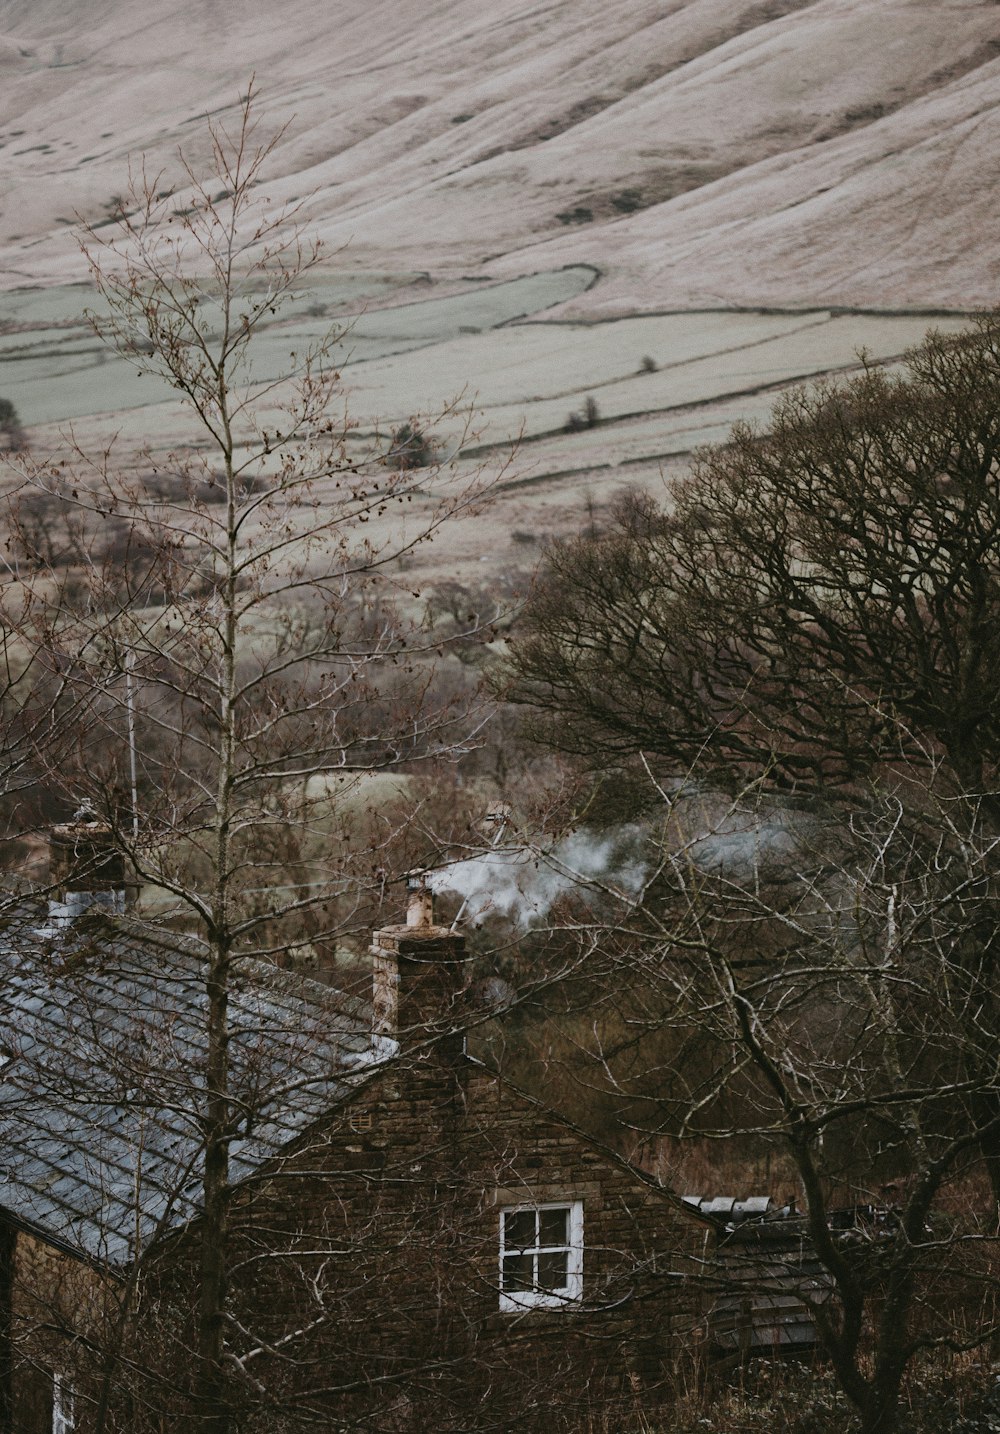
(880,1414)
(210,1388)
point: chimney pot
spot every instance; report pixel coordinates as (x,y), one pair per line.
(420,901)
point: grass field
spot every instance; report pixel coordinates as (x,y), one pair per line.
(486,371)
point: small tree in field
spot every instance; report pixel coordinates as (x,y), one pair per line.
(10,425)
(237,624)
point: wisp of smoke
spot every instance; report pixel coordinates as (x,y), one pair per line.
(523,884)
(739,844)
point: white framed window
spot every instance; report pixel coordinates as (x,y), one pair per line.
(541,1255)
(63,1420)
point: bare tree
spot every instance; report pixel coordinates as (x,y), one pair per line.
(841,1020)
(796,985)
(803,579)
(241,640)
(811,622)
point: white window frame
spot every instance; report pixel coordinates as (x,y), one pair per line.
(512,1302)
(63,1412)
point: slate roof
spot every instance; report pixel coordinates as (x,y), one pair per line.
(101,1045)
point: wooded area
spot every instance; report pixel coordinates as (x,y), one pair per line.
(792,667)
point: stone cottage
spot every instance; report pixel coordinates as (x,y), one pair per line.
(414,1243)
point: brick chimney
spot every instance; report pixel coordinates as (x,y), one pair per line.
(418,975)
(85,867)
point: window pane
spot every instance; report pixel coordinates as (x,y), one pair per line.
(517,1272)
(519,1230)
(552,1270)
(553,1225)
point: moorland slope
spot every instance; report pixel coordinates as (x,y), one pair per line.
(697,152)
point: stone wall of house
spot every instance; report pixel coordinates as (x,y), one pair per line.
(387,1221)
(55,1311)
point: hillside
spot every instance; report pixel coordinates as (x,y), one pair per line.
(542,208)
(698,152)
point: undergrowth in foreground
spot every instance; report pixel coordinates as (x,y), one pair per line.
(953,1394)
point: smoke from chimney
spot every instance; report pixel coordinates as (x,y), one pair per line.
(607,867)
(523,884)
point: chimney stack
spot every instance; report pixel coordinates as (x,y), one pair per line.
(418,974)
(85,867)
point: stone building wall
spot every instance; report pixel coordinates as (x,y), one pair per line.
(365,1266)
(388,1224)
(55,1314)
(365,1281)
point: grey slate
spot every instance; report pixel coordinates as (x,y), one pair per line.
(102,1027)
